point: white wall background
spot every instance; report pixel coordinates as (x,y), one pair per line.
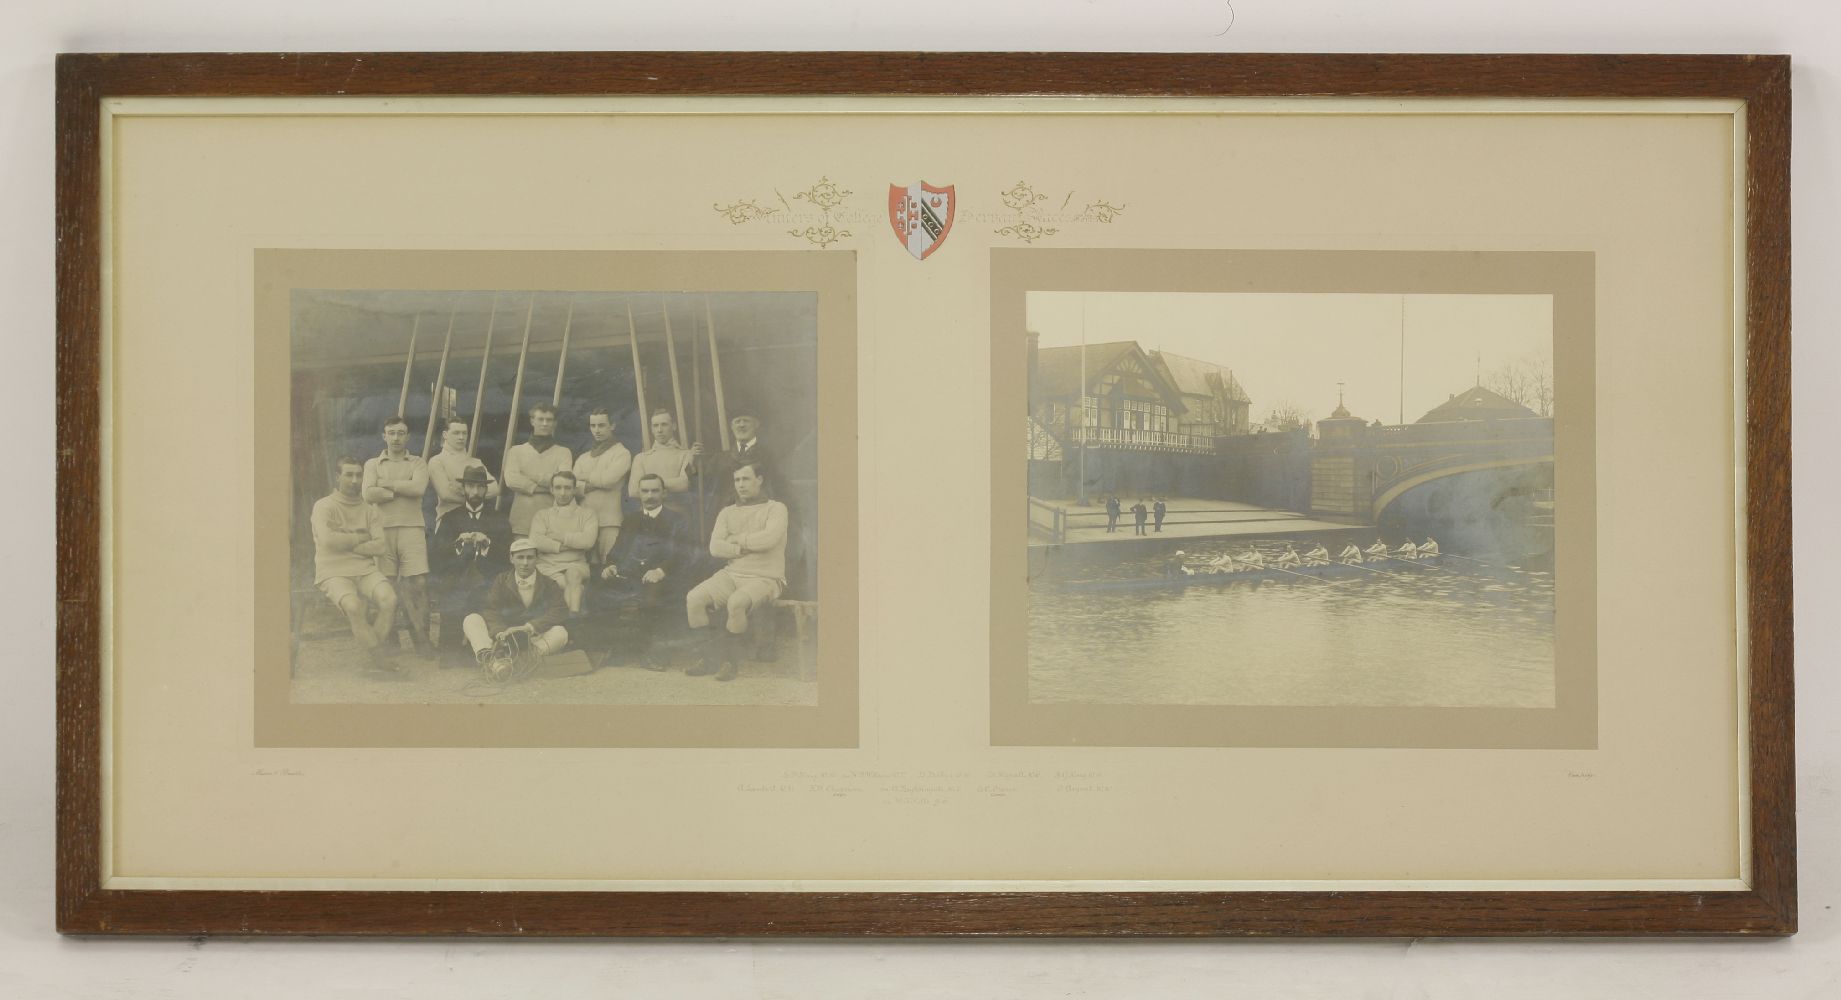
(35,963)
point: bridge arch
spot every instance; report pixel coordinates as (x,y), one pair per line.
(1399,489)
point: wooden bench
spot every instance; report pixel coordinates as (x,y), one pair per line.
(805,634)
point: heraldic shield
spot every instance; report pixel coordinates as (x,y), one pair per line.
(922,216)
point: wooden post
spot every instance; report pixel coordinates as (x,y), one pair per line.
(722,409)
(639,381)
(517,389)
(671,352)
(696,415)
(402,400)
(556,398)
(479,397)
(434,407)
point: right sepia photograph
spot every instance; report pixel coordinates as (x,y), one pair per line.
(1291,498)
(1264,495)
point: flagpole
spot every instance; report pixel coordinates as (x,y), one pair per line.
(1080,402)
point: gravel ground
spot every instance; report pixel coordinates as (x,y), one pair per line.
(331,671)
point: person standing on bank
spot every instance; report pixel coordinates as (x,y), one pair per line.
(647,565)
(529,466)
(1138,512)
(447,465)
(601,472)
(563,534)
(1112,514)
(471,542)
(522,599)
(666,459)
(348,536)
(1158,510)
(394,482)
(751,537)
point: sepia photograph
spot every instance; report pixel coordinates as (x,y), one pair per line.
(1291,499)
(532,495)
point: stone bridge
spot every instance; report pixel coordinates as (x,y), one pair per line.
(1359,470)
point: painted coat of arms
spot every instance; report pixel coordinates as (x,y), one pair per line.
(922,216)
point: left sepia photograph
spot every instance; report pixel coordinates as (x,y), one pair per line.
(552,496)
(555,498)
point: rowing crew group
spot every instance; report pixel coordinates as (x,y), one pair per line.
(1351,555)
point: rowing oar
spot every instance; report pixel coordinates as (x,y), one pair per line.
(1482,562)
(1306,576)
(1370,569)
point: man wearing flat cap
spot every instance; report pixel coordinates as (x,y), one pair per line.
(471,542)
(521,600)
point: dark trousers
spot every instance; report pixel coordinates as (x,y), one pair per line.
(454,603)
(1140,530)
(643,606)
(1160,522)
(1112,523)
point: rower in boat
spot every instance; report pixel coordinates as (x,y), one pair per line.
(1287,558)
(1428,548)
(1317,556)
(1407,550)
(1351,555)
(1251,561)
(1376,551)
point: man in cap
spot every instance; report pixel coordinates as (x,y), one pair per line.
(656,550)
(744,431)
(471,541)
(447,465)
(601,473)
(750,536)
(529,466)
(348,536)
(563,533)
(394,482)
(521,599)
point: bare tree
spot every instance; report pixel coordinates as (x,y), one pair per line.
(1285,415)
(1527,380)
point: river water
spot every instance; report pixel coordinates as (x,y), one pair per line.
(1457,634)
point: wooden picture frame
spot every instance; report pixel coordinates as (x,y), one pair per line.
(85,906)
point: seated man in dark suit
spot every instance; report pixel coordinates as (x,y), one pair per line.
(648,569)
(471,543)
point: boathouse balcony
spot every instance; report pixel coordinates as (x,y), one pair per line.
(1133,439)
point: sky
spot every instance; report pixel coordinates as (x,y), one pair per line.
(1295,347)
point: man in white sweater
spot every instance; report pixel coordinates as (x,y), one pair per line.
(563,534)
(751,535)
(601,473)
(394,482)
(529,466)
